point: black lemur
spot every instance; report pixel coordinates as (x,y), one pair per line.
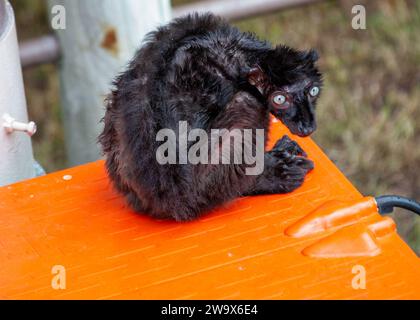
(201,70)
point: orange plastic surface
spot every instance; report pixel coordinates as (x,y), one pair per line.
(74,219)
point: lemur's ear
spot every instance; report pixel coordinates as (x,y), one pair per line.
(312,55)
(256,76)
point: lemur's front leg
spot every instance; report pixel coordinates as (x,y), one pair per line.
(285,168)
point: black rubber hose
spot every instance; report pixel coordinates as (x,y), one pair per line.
(387,203)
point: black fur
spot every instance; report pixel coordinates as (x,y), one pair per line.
(198,69)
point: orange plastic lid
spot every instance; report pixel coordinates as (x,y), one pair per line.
(322,241)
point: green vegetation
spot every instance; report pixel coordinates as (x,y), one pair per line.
(368,114)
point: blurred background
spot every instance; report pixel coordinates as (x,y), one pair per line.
(369,113)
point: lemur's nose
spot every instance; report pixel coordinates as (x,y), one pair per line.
(305,131)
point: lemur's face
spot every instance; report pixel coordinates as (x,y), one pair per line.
(295,105)
(291,84)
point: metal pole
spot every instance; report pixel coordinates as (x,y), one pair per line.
(16,158)
(2,15)
(99,38)
(38,51)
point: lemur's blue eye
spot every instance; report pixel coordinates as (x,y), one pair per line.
(279,99)
(314,91)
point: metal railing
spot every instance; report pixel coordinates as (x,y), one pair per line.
(46,48)
(234,9)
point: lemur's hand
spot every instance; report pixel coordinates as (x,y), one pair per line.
(285,146)
(291,164)
(285,168)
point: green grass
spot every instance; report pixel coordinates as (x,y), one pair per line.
(368,114)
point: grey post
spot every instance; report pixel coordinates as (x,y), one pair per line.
(100,38)
(16,158)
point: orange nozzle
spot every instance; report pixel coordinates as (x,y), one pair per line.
(332,214)
(353,241)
